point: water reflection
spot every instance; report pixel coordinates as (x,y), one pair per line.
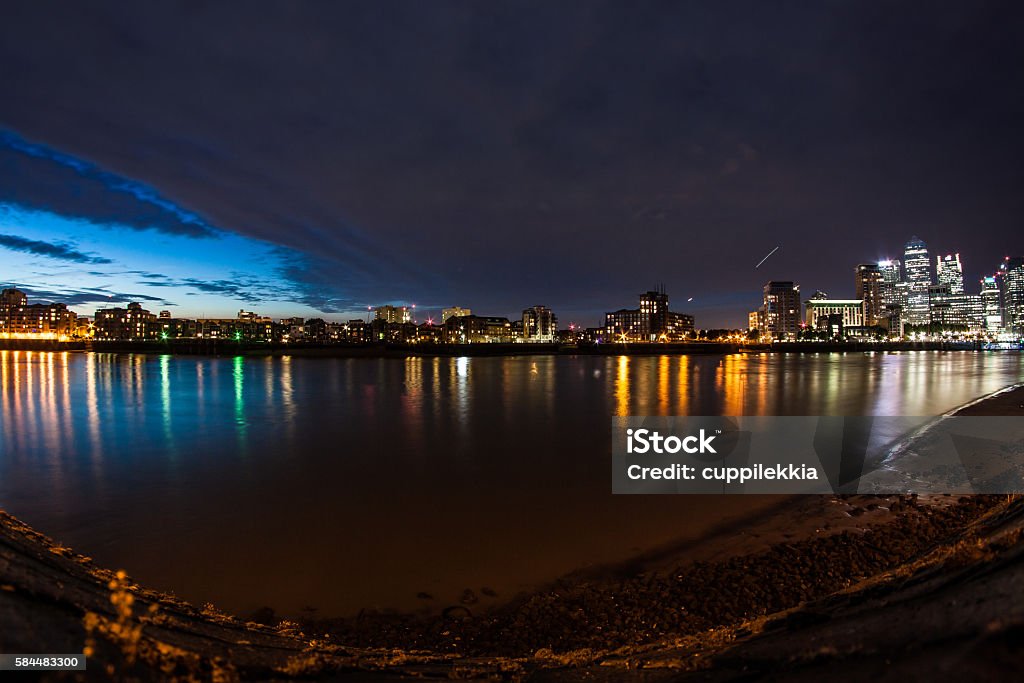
(622,396)
(165,400)
(354,465)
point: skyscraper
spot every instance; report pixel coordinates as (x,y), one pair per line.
(919,277)
(892,292)
(1011,286)
(992,304)
(781,309)
(950,273)
(890,269)
(868,286)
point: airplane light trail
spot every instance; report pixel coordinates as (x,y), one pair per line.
(765,258)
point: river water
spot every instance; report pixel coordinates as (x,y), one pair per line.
(343,484)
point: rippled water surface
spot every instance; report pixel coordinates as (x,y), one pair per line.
(339,484)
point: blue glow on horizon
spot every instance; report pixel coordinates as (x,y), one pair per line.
(181,270)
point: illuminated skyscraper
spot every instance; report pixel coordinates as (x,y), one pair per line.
(963,312)
(919,276)
(950,273)
(1011,286)
(868,285)
(890,270)
(992,304)
(892,292)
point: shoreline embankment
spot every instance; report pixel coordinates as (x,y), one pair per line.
(223,347)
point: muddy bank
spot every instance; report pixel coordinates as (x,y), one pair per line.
(785,609)
(1009,402)
(612,612)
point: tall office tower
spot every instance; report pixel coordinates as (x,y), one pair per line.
(868,285)
(992,304)
(890,269)
(891,292)
(1011,286)
(781,309)
(950,273)
(919,277)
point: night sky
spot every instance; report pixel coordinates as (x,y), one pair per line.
(317,158)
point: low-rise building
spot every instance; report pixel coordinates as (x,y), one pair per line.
(849,313)
(133,323)
(477,329)
(454,311)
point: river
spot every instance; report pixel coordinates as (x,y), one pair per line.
(344,484)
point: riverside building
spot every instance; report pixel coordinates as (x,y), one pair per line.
(651,322)
(539,325)
(780,310)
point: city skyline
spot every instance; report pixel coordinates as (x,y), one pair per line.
(890,295)
(236,295)
(473,157)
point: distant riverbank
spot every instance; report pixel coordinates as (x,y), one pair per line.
(218,347)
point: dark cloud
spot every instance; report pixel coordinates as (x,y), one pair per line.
(235,288)
(55,250)
(240,286)
(500,155)
(86,296)
(37,177)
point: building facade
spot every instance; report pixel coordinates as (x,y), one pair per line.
(454,311)
(849,313)
(754,320)
(950,273)
(992,304)
(1011,286)
(956,312)
(651,322)
(917,266)
(133,323)
(477,329)
(780,310)
(20,319)
(868,288)
(393,314)
(539,325)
